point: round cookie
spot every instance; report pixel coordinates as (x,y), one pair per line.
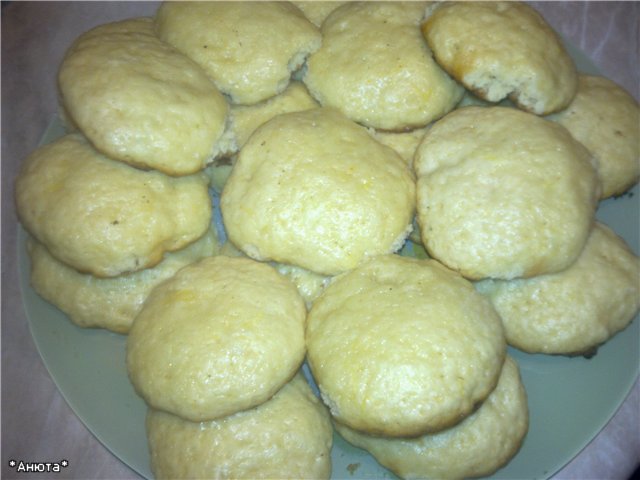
(522,56)
(104,217)
(574,311)
(477,447)
(606,119)
(376,68)
(313,189)
(248,49)
(401,347)
(110,303)
(288,436)
(503,193)
(140,101)
(221,336)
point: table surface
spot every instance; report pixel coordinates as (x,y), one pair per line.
(37,424)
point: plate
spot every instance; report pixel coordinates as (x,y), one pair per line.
(570,399)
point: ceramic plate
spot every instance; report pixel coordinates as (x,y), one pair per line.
(570,399)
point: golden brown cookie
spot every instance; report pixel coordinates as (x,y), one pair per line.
(573,311)
(606,119)
(104,217)
(141,101)
(477,447)
(376,68)
(249,49)
(401,347)
(313,189)
(504,193)
(288,436)
(110,303)
(221,336)
(500,49)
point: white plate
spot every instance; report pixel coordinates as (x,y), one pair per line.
(570,399)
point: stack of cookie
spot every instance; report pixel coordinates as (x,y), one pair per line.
(562,282)
(215,353)
(329,135)
(117,204)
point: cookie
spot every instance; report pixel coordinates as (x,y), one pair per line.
(504,193)
(248,49)
(401,347)
(110,303)
(104,217)
(221,336)
(521,58)
(573,311)
(313,189)
(477,447)
(140,101)
(376,68)
(288,436)
(606,119)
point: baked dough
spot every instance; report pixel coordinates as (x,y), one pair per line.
(376,68)
(477,447)
(500,49)
(140,101)
(288,436)
(503,193)
(574,311)
(249,49)
(400,347)
(103,217)
(313,189)
(606,119)
(221,336)
(110,303)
